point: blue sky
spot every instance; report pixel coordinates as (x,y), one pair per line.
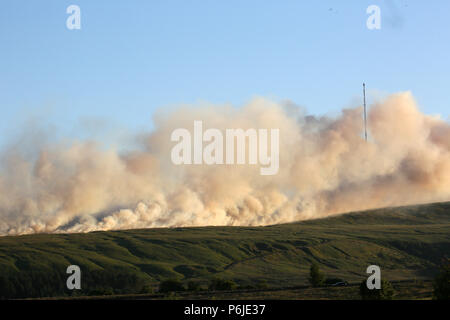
(131,58)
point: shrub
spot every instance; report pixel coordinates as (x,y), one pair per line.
(107,291)
(261,285)
(246,287)
(146,288)
(385,293)
(222,284)
(170,285)
(193,286)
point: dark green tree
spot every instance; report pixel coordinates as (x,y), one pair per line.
(316,278)
(441,283)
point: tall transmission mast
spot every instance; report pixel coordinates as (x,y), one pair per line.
(365,113)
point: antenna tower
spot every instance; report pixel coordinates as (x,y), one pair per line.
(365,112)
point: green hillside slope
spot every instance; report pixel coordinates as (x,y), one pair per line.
(406,242)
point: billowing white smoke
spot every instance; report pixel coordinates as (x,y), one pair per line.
(326,167)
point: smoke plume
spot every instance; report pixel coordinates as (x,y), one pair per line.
(326,167)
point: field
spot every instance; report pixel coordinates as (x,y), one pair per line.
(408,243)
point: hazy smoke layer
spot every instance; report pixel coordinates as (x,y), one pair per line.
(326,167)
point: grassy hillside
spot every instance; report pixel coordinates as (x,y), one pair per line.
(406,242)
